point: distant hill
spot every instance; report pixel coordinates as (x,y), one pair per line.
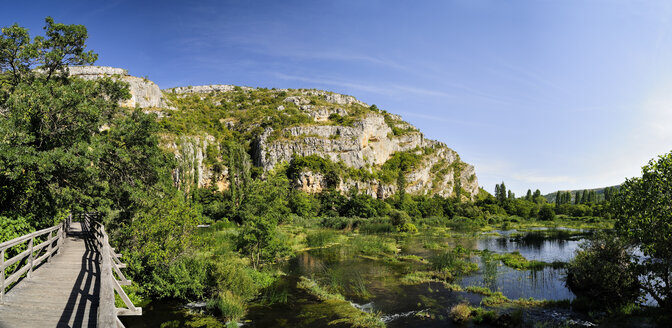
(599,191)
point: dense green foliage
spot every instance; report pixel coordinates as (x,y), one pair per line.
(643,207)
(66,146)
(603,272)
(50,128)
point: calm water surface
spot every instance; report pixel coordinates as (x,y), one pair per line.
(374,285)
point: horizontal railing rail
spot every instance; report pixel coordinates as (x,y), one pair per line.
(24,262)
(111,265)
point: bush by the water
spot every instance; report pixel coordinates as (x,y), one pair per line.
(603,272)
(460,313)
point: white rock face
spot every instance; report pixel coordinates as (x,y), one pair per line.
(335,98)
(204,89)
(322,114)
(368,143)
(190,152)
(144,93)
(365,143)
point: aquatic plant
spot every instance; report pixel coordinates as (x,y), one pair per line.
(481,315)
(373,245)
(335,303)
(321,238)
(451,261)
(460,313)
(376,227)
(228,305)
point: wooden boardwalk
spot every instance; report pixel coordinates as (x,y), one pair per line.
(62,293)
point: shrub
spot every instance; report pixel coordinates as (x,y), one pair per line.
(546,212)
(399,218)
(460,313)
(484,316)
(408,227)
(603,272)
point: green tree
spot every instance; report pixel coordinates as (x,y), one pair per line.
(50,124)
(643,208)
(264,207)
(546,212)
(538,198)
(501,193)
(528,196)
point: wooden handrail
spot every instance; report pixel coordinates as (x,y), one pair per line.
(107,311)
(29,254)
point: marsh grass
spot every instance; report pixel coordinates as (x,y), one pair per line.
(321,238)
(462,224)
(344,280)
(481,315)
(517,261)
(336,304)
(498,299)
(278,292)
(376,227)
(228,305)
(373,245)
(453,261)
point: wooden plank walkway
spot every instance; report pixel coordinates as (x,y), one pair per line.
(62,293)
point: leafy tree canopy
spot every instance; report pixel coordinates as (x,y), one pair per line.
(644,212)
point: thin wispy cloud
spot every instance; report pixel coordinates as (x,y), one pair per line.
(444,119)
(538,179)
(374,87)
(338,83)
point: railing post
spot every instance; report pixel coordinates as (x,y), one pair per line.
(50,247)
(61,236)
(30,248)
(2,276)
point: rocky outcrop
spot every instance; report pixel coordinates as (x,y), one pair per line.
(343,129)
(144,93)
(366,143)
(369,143)
(441,172)
(204,89)
(192,170)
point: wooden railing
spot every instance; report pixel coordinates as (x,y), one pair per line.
(30,258)
(109,284)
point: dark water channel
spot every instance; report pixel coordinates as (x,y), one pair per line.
(374,285)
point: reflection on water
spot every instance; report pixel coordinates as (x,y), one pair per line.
(537,245)
(374,285)
(542,284)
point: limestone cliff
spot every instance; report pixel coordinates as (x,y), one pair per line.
(336,127)
(144,93)
(279,125)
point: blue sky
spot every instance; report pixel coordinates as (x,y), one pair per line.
(538,94)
